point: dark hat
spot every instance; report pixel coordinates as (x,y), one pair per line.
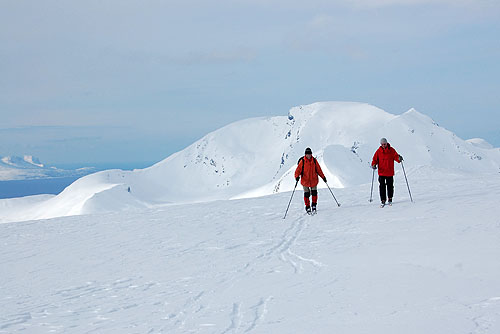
(308,151)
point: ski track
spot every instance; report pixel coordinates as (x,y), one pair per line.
(235,319)
(487,315)
(260,311)
(287,241)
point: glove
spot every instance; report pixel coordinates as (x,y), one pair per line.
(374,167)
(400,157)
(324,179)
(297,178)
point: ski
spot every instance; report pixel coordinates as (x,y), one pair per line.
(311,212)
(382,205)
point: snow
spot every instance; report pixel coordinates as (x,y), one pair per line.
(480,142)
(197,243)
(236,266)
(257,157)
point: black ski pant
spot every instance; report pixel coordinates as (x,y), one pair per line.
(386,183)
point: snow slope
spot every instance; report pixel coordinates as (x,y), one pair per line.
(239,267)
(257,157)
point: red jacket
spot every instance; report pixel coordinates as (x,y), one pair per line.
(384,158)
(311,171)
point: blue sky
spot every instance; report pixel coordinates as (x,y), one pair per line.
(134,81)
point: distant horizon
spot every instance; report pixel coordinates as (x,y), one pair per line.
(54,185)
(125,165)
(97,165)
(182,144)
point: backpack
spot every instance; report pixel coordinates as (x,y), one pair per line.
(301,159)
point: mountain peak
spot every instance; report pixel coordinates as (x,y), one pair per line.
(33,160)
(413,114)
(27,161)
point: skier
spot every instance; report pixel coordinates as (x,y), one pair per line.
(308,169)
(384,157)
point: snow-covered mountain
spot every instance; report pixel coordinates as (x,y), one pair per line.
(257,157)
(29,167)
(26,162)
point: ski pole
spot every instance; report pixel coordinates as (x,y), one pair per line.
(406,181)
(371,191)
(290,199)
(338,204)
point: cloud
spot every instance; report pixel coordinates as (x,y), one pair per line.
(450,3)
(362,29)
(214,57)
(361,4)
